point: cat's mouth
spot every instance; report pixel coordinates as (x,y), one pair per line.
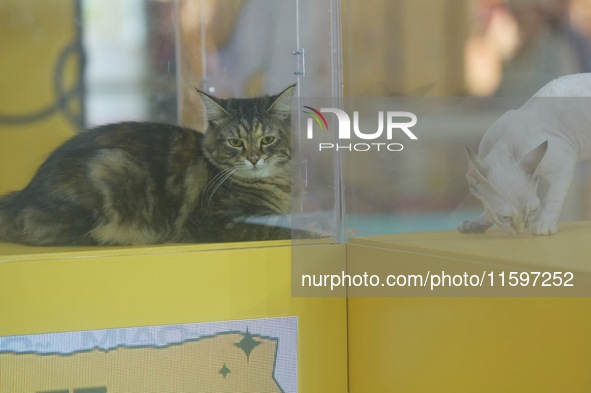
(515,231)
(252,171)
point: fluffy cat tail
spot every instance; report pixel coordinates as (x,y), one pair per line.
(7,225)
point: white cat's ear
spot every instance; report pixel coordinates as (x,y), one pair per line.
(282,104)
(476,165)
(531,161)
(213,110)
(477,171)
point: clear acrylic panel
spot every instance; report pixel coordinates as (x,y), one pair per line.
(143,60)
(458,68)
(241,48)
(319,69)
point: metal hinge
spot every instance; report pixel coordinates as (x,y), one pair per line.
(300,62)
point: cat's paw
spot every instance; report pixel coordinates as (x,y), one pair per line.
(544,228)
(472,227)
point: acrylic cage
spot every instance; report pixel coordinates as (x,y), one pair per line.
(456,68)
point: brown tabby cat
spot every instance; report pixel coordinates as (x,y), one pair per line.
(146,183)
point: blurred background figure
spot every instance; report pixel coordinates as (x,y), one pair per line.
(558,15)
(549,47)
(520,45)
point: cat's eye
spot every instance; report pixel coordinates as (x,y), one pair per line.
(267,140)
(505,219)
(235,142)
(533,212)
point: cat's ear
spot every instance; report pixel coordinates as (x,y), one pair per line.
(475,164)
(213,109)
(531,161)
(477,170)
(282,104)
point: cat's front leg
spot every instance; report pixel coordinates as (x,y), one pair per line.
(546,223)
(479,225)
(552,192)
(543,227)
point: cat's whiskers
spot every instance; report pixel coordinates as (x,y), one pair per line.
(279,160)
(217,181)
(213,181)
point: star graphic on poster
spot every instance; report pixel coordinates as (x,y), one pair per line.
(224,371)
(247,344)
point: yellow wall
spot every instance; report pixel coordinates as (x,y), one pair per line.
(58,289)
(32,36)
(358,345)
(468,344)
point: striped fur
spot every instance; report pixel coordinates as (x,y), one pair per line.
(146,183)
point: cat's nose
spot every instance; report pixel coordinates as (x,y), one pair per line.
(519,228)
(253,158)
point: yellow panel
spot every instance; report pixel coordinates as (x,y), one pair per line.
(23,149)
(56,289)
(33,34)
(471,344)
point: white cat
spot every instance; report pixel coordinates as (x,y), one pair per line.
(527,158)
